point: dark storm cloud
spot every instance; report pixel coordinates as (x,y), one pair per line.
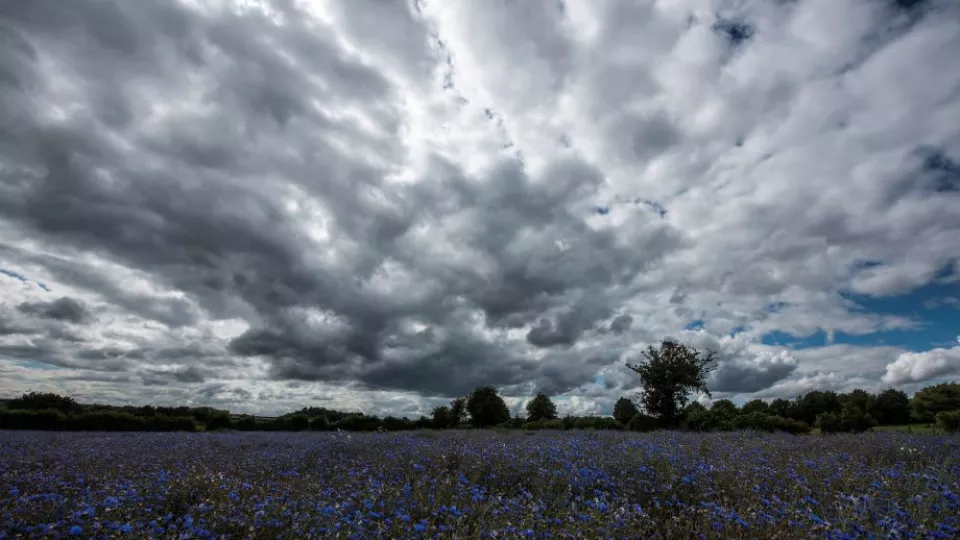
(184,202)
(745,378)
(173,312)
(621,324)
(62,309)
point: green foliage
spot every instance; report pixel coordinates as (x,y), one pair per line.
(37,401)
(245,423)
(755,406)
(811,405)
(440,417)
(595,422)
(949,421)
(932,400)
(668,376)
(724,407)
(487,408)
(758,421)
(357,422)
(458,412)
(891,407)
(55,420)
(541,407)
(624,410)
(219,422)
(516,423)
(297,422)
(851,420)
(543,423)
(781,407)
(857,399)
(643,422)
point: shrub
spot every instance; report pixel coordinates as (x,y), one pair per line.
(543,424)
(358,422)
(643,422)
(515,423)
(48,419)
(595,422)
(36,401)
(849,421)
(949,421)
(770,423)
(219,422)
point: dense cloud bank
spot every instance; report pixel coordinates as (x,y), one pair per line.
(382,204)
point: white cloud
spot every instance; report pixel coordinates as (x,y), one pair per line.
(923,366)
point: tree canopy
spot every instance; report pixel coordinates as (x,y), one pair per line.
(669,374)
(932,400)
(486,407)
(624,410)
(541,408)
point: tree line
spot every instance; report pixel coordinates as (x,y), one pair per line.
(670,375)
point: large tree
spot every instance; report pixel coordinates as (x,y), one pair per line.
(809,406)
(624,410)
(891,407)
(755,406)
(669,374)
(458,411)
(935,399)
(541,408)
(487,408)
(858,399)
(440,417)
(724,407)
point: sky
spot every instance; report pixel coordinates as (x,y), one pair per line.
(379,205)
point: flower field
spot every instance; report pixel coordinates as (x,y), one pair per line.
(478,484)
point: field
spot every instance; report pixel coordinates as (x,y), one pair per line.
(478,484)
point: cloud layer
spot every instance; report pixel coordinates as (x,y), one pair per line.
(382,204)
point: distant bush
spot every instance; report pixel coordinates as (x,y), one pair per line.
(51,419)
(849,421)
(543,424)
(358,422)
(596,422)
(219,422)
(643,422)
(392,423)
(949,421)
(769,422)
(28,419)
(36,401)
(320,423)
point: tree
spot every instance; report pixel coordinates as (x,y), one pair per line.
(812,404)
(37,401)
(668,375)
(857,399)
(891,407)
(219,422)
(440,417)
(458,411)
(755,406)
(486,408)
(624,410)
(541,408)
(930,401)
(781,407)
(724,407)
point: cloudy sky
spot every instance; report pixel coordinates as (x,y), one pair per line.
(381,204)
